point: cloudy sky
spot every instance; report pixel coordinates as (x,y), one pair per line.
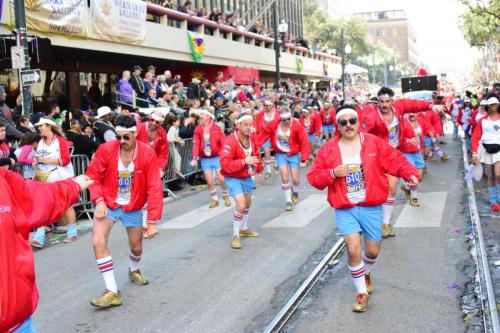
(440,42)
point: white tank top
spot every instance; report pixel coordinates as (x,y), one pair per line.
(393,129)
(355,180)
(283,139)
(125,181)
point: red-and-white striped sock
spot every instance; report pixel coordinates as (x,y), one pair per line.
(107,269)
(358,277)
(287,189)
(244,222)
(237,221)
(387,208)
(134,261)
(369,262)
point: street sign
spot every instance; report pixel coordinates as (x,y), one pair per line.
(30,77)
(17,56)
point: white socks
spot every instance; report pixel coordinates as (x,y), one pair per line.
(244,222)
(214,195)
(107,269)
(387,208)
(358,277)
(237,221)
(368,263)
(287,189)
(133,262)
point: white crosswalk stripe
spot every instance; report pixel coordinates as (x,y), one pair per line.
(194,217)
(428,215)
(303,213)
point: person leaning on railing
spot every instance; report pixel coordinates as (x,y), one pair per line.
(173,139)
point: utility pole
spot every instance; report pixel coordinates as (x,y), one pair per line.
(342,47)
(22,40)
(276,45)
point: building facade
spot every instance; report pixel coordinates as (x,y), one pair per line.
(393,28)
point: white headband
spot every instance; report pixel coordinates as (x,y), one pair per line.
(157,117)
(208,113)
(343,112)
(125,129)
(286,115)
(384,95)
(243,118)
(492,100)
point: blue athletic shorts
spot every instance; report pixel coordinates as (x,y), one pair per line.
(364,219)
(210,163)
(427,141)
(128,219)
(292,161)
(312,137)
(267,144)
(237,186)
(26,327)
(328,128)
(416,159)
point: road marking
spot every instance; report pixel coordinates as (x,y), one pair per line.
(303,213)
(428,215)
(194,217)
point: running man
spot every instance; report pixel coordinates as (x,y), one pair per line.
(261,121)
(126,176)
(327,114)
(384,122)
(240,160)
(354,167)
(312,123)
(291,144)
(208,140)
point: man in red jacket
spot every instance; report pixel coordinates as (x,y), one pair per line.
(353,167)
(126,176)
(312,124)
(240,160)
(25,205)
(384,122)
(261,121)
(291,144)
(327,114)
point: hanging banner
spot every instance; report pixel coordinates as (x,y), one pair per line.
(299,65)
(197,45)
(122,21)
(62,17)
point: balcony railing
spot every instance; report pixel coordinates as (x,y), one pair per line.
(180,20)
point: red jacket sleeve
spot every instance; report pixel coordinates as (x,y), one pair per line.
(42,203)
(394,162)
(227,158)
(476,136)
(460,115)
(318,125)
(163,151)
(319,174)
(303,140)
(196,142)
(268,130)
(403,106)
(154,190)
(64,151)
(23,156)
(94,171)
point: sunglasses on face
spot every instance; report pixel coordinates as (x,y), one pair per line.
(125,137)
(352,121)
(286,119)
(154,121)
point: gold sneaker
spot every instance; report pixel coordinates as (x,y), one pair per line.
(289,206)
(213,204)
(445,157)
(391,231)
(227,200)
(295,197)
(235,243)
(406,191)
(414,202)
(248,233)
(369,284)
(361,303)
(107,300)
(137,278)
(386,230)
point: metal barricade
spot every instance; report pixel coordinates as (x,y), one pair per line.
(186,154)
(84,205)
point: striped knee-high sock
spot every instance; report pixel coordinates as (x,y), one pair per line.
(134,261)
(358,277)
(387,209)
(214,196)
(368,262)
(107,269)
(287,189)
(267,166)
(244,222)
(237,221)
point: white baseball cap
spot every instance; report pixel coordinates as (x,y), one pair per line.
(102,111)
(493,100)
(46,121)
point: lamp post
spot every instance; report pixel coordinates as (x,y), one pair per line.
(391,69)
(281,29)
(346,49)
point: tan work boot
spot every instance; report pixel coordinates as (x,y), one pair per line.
(248,233)
(406,191)
(391,231)
(107,300)
(137,278)
(227,200)
(385,230)
(361,303)
(369,284)
(235,243)
(213,203)
(295,197)
(414,202)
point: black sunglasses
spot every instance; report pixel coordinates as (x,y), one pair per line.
(352,121)
(286,119)
(154,121)
(125,137)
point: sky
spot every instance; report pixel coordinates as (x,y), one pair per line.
(440,42)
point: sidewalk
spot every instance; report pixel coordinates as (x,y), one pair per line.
(418,277)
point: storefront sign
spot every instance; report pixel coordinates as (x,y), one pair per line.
(62,17)
(122,21)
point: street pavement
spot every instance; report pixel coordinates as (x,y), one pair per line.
(199,284)
(418,277)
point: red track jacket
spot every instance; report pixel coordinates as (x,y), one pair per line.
(232,158)
(103,170)
(409,133)
(24,205)
(160,144)
(315,123)
(378,159)
(299,141)
(259,122)
(216,141)
(331,119)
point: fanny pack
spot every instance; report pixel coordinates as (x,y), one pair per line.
(41,175)
(491,148)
